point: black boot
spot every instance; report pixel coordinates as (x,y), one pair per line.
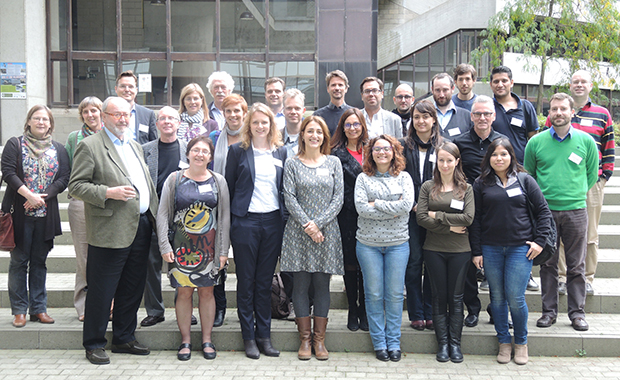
(440,322)
(456,327)
(350,285)
(361,310)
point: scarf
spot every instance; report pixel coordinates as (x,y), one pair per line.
(427,164)
(35,146)
(221,149)
(191,126)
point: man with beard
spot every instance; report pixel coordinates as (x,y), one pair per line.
(465,78)
(220,84)
(453,121)
(337,86)
(378,120)
(564,161)
(403,98)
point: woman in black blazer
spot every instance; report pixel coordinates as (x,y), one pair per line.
(350,137)
(36,169)
(254,170)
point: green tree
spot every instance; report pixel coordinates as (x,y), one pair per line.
(584,32)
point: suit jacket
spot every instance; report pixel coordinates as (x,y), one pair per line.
(461,119)
(96,166)
(151,157)
(241,174)
(145,116)
(392,124)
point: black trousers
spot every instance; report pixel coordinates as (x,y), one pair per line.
(118,274)
(447,274)
(257,242)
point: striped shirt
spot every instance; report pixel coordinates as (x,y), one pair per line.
(597,122)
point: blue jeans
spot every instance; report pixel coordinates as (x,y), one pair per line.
(508,270)
(27,270)
(384,269)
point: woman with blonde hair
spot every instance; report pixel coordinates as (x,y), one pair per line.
(194,113)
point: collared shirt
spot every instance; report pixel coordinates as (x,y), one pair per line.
(133,165)
(473,149)
(130,132)
(290,142)
(374,125)
(554,134)
(516,123)
(331,113)
(265,196)
(280,120)
(444,118)
(218,116)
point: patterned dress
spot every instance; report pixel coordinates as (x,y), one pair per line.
(194,226)
(313,194)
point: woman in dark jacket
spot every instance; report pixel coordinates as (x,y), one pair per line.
(348,142)
(507,245)
(36,170)
(419,150)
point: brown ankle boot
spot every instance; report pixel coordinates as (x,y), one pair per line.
(505,350)
(305,336)
(521,356)
(320,325)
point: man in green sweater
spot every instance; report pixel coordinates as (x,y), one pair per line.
(564,162)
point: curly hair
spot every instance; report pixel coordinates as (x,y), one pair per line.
(398,159)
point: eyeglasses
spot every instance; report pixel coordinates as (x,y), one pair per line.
(167,118)
(354,125)
(118,115)
(44,120)
(405,97)
(379,149)
(478,115)
(205,152)
(373,91)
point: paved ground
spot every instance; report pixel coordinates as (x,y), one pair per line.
(59,364)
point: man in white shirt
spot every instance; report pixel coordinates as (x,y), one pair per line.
(378,120)
(141,127)
(274,92)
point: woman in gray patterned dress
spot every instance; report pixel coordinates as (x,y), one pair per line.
(312,248)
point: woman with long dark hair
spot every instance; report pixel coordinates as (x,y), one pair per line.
(507,246)
(446,209)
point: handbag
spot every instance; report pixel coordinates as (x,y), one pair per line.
(7,234)
(279,301)
(552,239)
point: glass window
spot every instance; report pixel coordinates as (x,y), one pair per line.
(186,72)
(242,26)
(58,24)
(144,25)
(299,75)
(94,24)
(59,82)
(615,105)
(93,78)
(193,26)
(422,78)
(390,83)
(468,43)
(159,87)
(291,26)
(436,58)
(406,71)
(249,79)
(452,53)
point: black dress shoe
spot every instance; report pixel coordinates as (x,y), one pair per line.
(152,320)
(187,356)
(531,284)
(382,355)
(133,347)
(580,324)
(353,323)
(264,346)
(194,320)
(545,321)
(98,356)
(219,318)
(208,355)
(394,355)
(251,349)
(471,320)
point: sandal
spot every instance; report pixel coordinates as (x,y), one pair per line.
(184,357)
(209,355)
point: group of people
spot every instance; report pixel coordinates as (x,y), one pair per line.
(413,199)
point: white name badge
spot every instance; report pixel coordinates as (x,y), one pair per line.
(575,158)
(395,189)
(51,153)
(322,171)
(143,128)
(457,205)
(454,132)
(277,162)
(586,122)
(516,122)
(432,158)
(204,188)
(183,165)
(514,192)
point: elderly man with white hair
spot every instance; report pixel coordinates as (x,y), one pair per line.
(220,85)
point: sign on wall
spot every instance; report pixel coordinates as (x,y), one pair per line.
(12,80)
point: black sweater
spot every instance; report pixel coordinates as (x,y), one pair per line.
(501,220)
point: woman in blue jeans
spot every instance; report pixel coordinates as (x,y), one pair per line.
(507,245)
(383,199)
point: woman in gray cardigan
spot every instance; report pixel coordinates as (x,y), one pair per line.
(193,224)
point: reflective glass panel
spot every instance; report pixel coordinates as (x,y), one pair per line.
(291,26)
(93,78)
(184,73)
(249,79)
(94,24)
(242,26)
(159,87)
(193,26)
(144,25)
(299,75)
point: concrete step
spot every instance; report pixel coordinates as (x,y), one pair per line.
(610,214)
(608,264)
(559,340)
(60,294)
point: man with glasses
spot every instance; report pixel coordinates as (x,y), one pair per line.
(337,86)
(473,146)
(403,98)
(162,157)
(378,120)
(453,121)
(142,120)
(120,204)
(465,78)
(220,84)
